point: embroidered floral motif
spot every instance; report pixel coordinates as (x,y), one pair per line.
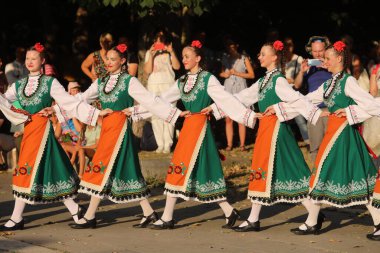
(36,97)
(206,187)
(192,94)
(177,169)
(330,101)
(352,187)
(54,188)
(113,95)
(266,84)
(95,168)
(291,185)
(23,170)
(258,174)
(120,185)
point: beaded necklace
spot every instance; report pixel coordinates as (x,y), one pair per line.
(267,77)
(38,85)
(194,83)
(332,85)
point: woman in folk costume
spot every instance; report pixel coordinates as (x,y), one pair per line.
(114,171)
(44,173)
(343,174)
(195,172)
(279,172)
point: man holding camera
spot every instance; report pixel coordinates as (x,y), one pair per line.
(311,76)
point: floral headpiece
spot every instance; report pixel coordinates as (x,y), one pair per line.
(39,48)
(278,45)
(121,48)
(339,46)
(196,43)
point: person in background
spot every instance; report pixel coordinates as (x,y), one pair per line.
(16,69)
(94,65)
(311,77)
(160,63)
(236,69)
(292,68)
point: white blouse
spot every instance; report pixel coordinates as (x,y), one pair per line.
(294,103)
(138,92)
(224,102)
(367,106)
(74,108)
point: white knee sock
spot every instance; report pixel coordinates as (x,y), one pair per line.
(254,215)
(18,210)
(169,209)
(73,207)
(227,209)
(147,208)
(313,210)
(375,214)
(90,214)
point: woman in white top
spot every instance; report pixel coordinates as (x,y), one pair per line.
(160,60)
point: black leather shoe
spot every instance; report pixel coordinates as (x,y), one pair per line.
(310,229)
(164,225)
(251,226)
(17,226)
(231,220)
(80,213)
(373,236)
(89,224)
(148,219)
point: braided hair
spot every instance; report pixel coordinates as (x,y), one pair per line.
(278,48)
(341,49)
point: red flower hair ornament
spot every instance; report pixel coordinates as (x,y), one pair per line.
(196,43)
(39,48)
(278,45)
(339,46)
(121,48)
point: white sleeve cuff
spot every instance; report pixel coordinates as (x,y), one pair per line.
(249,118)
(314,115)
(217,112)
(61,114)
(94,118)
(173,116)
(280,112)
(351,115)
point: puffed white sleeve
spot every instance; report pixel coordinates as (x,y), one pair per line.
(11,94)
(228,104)
(366,105)
(71,106)
(293,103)
(91,94)
(12,114)
(150,104)
(247,97)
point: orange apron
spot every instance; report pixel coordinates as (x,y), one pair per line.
(98,171)
(186,152)
(260,178)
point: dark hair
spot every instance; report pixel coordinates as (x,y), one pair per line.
(345,54)
(199,52)
(164,36)
(122,55)
(281,61)
(106,40)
